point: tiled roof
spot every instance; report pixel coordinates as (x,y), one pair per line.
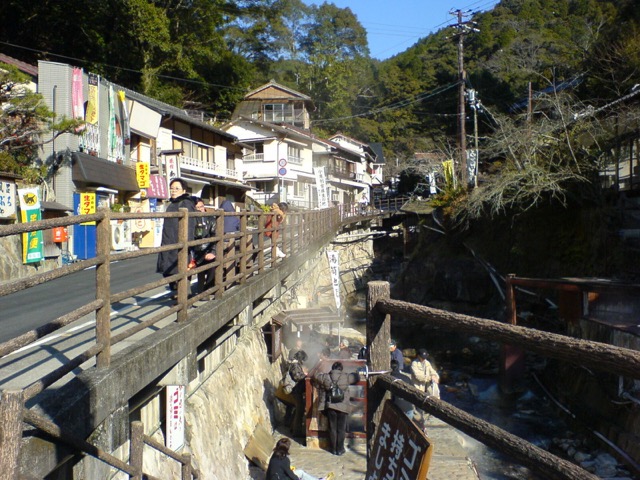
(22,66)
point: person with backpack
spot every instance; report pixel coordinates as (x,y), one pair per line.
(334,401)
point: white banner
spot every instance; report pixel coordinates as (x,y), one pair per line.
(321,185)
(175,417)
(334,267)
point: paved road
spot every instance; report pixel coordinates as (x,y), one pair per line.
(28,309)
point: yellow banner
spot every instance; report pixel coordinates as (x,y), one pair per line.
(143,175)
(92,100)
(87,205)
(447,170)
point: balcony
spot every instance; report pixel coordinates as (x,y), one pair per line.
(356,177)
(294,160)
(208,167)
(254,157)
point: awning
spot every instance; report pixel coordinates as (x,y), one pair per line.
(55,206)
(97,171)
(215,181)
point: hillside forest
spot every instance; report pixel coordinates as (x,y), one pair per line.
(554,83)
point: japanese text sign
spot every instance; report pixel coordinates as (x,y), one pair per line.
(143,174)
(400,450)
(7,199)
(334,268)
(87,205)
(175,417)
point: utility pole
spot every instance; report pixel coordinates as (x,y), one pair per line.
(463,29)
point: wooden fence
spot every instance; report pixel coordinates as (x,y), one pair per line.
(247,251)
(599,356)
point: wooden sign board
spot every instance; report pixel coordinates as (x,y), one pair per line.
(400,450)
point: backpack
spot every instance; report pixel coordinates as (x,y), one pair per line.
(335,393)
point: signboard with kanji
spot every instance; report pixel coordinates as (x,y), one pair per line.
(172,168)
(7,198)
(143,174)
(400,450)
(175,417)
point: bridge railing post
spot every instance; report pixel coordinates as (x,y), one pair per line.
(103,290)
(11,405)
(378,337)
(244,242)
(219,270)
(136,448)
(183,263)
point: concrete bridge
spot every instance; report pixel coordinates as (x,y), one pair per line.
(90,403)
(108,367)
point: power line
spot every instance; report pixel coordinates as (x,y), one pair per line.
(124,69)
(393,106)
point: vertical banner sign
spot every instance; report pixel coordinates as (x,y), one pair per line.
(114,151)
(472,165)
(92,101)
(143,174)
(334,268)
(87,205)
(400,449)
(175,417)
(91,136)
(7,199)
(171,167)
(77,96)
(32,243)
(321,185)
(126,130)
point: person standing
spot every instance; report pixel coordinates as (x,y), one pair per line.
(344,353)
(205,252)
(396,353)
(277,218)
(336,411)
(231,225)
(424,376)
(404,405)
(280,465)
(167,263)
(298,373)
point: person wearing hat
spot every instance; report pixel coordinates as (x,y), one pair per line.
(396,353)
(344,351)
(424,376)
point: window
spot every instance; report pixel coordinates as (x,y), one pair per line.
(275,112)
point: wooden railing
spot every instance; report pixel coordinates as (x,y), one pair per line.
(599,356)
(239,256)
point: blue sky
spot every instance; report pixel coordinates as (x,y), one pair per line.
(395,25)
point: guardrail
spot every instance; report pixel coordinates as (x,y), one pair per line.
(239,256)
(594,355)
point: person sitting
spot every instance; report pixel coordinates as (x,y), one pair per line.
(280,465)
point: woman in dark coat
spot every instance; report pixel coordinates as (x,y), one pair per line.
(336,412)
(280,465)
(168,261)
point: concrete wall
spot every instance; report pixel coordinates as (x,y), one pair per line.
(220,355)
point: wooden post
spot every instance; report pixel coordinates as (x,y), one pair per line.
(511,357)
(183,261)
(186,466)
(378,337)
(103,291)
(219,273)
(136,448)
(244,242)
(11,405)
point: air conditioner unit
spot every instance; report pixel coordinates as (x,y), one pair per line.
(118,240)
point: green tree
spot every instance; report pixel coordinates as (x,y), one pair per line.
(24,120)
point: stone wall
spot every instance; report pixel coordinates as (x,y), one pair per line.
(226,404)
(11,266)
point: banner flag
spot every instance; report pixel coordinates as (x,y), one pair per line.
(32,242)
(334,268)
(92,101)
(321,185)
(77,96)
(126,130)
